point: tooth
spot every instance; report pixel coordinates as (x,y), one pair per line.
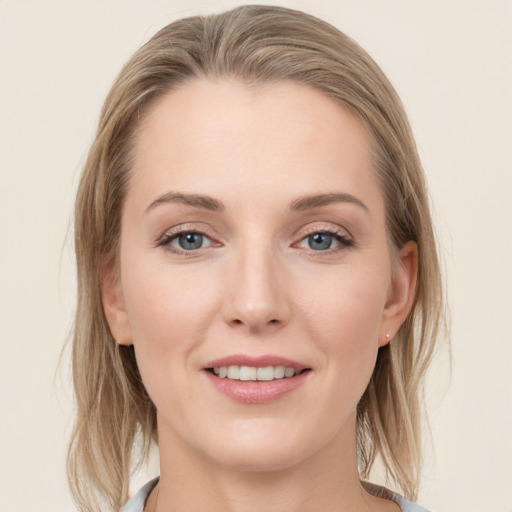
(289,372)
(247,373)
(233,372)
(251,373)
(266,373)
(279,372)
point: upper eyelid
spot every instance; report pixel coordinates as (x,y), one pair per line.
(187,228)
(337,230)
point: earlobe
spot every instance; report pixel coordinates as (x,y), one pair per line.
(402,293)
(114,307)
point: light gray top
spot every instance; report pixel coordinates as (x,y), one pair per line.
(136,504)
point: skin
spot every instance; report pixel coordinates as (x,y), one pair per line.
(256,287)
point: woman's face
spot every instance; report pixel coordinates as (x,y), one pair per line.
(253,235)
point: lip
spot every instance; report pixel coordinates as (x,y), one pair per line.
(255,361)
(256,392)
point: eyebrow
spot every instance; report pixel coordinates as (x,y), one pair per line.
(316,201)
(196,200)
(301,204)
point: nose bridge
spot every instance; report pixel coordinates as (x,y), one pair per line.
(258,298)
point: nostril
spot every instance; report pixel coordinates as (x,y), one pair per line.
(256,324)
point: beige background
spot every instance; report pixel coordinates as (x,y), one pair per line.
(450,61)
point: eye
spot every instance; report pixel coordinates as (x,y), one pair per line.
(185,241)
(325,241)
(320,241)
(189,241)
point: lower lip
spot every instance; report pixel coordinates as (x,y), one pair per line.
(256,392)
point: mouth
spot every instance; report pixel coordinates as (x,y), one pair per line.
(256,380)
(253,373)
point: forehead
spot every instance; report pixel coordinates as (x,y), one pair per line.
(225,137)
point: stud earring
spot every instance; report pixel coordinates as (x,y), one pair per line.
(388,336)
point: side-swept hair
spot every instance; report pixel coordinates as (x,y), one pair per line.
(255,44)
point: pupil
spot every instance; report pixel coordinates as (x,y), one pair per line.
(191,241)
(320,241)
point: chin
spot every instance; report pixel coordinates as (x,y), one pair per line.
(262,448)
(255,459)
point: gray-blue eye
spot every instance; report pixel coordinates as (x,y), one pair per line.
(320,241)
(186,241)
(190,241)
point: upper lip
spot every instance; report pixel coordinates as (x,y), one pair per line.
(255,361)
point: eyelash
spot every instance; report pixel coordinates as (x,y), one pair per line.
(167,238)
(345,241)
(339,236)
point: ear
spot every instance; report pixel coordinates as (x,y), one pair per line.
(401,293)
(114,308)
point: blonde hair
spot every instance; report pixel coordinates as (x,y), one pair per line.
(256,44)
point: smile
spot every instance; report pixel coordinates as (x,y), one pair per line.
(252,373)
(259,379)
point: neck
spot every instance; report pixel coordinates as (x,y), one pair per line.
(327,481)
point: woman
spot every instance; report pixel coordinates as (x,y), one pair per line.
(259,289)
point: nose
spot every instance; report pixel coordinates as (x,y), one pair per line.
(257,298)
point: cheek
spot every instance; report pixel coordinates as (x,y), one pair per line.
(343,317)
(158,297)
(169,314)
(347,305)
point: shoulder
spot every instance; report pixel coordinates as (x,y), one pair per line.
(136,504)
(382,492)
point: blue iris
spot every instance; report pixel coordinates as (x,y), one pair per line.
(190,241)
(320,241)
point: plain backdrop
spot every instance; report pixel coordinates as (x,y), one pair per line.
(451,62)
